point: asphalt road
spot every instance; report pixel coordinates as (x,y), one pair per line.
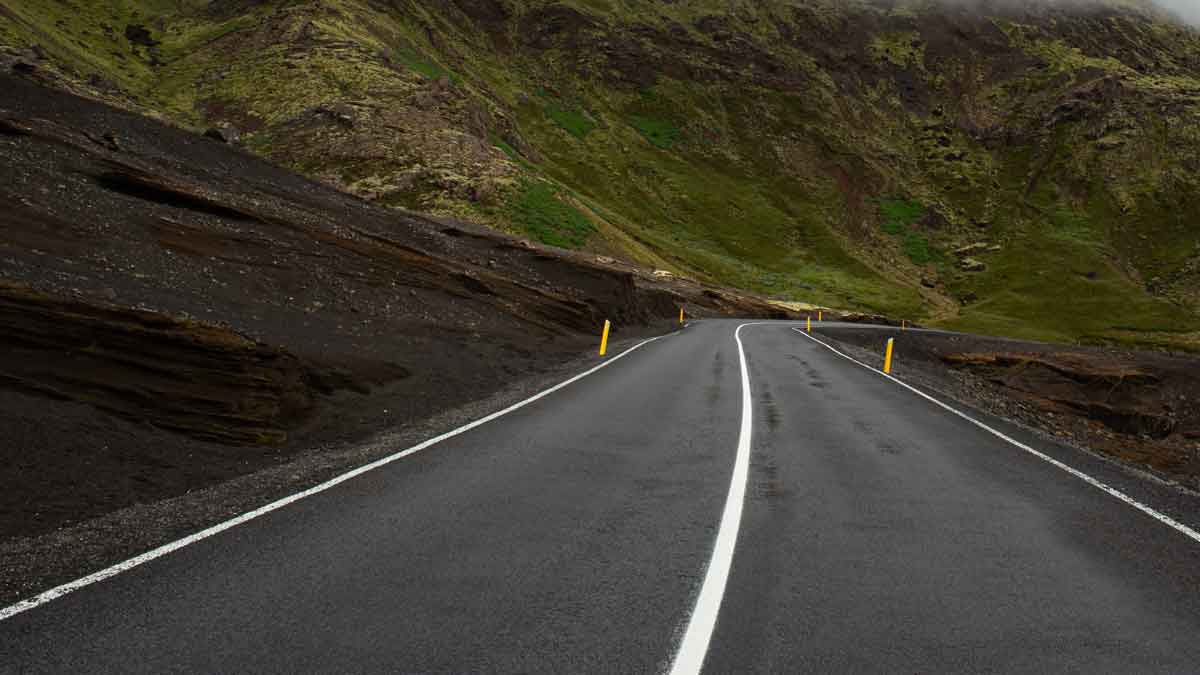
(878,533)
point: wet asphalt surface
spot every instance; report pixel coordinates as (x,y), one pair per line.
(880,534)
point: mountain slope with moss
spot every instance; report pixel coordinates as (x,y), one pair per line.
(1024,171)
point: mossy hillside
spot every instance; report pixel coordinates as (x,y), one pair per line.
(724,219)
(743,143)
(538,210)
(1061,274)
(1032,295)
(87,38)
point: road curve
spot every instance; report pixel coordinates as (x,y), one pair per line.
(877,532)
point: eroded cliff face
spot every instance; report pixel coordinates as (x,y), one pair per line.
(837,152)
(204,381)
(175,312)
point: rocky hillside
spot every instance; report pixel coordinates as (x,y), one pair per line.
(1020,168)
(175,312)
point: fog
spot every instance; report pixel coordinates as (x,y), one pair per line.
(1187,11)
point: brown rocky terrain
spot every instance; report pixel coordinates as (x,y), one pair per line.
(175,312)
(1135,406)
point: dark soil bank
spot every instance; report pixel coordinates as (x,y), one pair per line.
(1140,407)
(175,312)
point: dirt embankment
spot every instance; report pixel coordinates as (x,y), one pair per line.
(175,312)
(204,381)
(1140,407)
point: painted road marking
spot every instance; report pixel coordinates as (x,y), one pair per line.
(1161,517)
(689,658)
(59,591)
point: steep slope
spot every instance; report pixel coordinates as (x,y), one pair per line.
(175,312)
(1019,168)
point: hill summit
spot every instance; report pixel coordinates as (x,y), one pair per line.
(1012,167)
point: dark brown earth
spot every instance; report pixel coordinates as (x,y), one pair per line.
(1140,407)
(175,312)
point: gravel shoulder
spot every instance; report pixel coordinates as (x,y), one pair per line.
(30,565)
(1136,409)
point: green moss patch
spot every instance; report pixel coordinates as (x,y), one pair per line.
(572,121)
(899,214)
(661,133)
(537,210)
(424,67)
(918,249)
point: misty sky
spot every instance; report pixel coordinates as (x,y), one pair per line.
(1189,10)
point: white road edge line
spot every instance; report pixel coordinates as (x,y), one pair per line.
(1161,517)
(60,591)
(689,659)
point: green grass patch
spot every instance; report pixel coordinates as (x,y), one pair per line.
(1052,287)
(1072,227)
(572,121)
(427,69)
(898,214)
(917,248)
(537,210)
(661,133)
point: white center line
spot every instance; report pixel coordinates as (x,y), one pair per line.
(689,659)
(1161,517)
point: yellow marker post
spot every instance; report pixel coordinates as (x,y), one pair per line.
(808,324)
(820,315)
(887,359)
(604,338)
(680,315)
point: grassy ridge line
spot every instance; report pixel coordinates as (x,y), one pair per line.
(736,178)
(269,89)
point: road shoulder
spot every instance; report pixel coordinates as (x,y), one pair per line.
(30,565)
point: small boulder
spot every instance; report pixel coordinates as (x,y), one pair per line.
(971,265)
(225,133)
(139,35)
(20,60)
(971,249)
(343,114)
(487,192)
(424,100)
